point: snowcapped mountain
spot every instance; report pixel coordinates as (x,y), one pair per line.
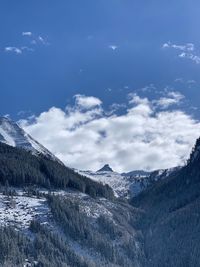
(119,183)
(123,185)
(127,185)
(13,135)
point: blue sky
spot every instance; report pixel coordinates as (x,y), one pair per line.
(76,57)
(52,51)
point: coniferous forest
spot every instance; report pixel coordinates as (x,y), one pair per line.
(159,227)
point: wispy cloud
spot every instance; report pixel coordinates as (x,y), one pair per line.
(29,45)
(191,82)
(27,33)
(26,48)
(186,47)
(172,98)
(186,51)
(187,82)
(39,40)
(179,80)
(113,47)
(18,50)
(13,49)
(143,137)
(192,57)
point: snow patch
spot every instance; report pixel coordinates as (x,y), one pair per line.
(19,211)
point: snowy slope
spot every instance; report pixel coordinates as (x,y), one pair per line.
(127,184)
(20,210)
(12,134)
(120,184)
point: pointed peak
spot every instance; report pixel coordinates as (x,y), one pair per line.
(195,152)
(106,168)
(13,135)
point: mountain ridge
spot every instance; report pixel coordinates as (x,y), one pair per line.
(13,135)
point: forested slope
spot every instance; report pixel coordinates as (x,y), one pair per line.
(171,225)
(21,168)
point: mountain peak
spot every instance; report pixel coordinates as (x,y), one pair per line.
(13,135)
(106,168)
(195,152)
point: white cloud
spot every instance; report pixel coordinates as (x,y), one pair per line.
(113,47)
(135,99)
(172,98)
(185,47)
(192,57)
(87,102)
(13,49)
(27,33)
(166,45)
(42,40)
(188,51)
(18,50)
(39,40)
(27,47)
(176,95)
(144,137)
(115,106)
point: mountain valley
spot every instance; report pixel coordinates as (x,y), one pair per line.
(52,215)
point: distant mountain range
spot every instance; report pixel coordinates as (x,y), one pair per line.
(127,185)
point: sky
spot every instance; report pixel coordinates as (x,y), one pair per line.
(105,81)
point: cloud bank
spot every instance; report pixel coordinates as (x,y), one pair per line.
(145,136)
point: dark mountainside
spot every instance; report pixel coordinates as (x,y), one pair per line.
(20,168)
(82,224)
(171,225)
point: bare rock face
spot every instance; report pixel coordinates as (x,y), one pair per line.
(106,168)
